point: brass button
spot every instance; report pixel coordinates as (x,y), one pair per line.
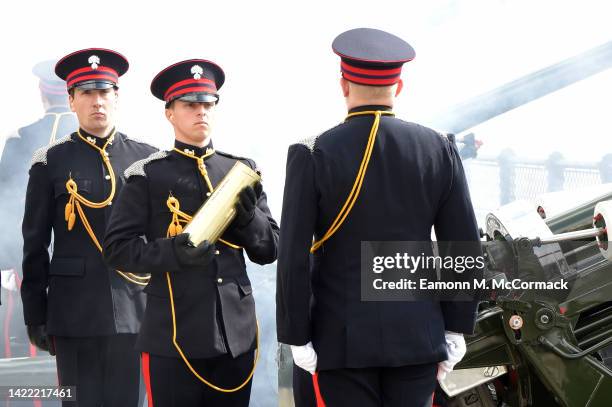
(107,176)
(219,280)
(216,251)
(110,203)
(208,194)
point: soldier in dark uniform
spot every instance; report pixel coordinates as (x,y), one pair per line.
(199,331)
(373,177)
(14,166)
(74,305)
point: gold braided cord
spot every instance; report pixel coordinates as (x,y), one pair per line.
(201,166)
(72,188)
(354,194)
(128,276)
(178,347)
(191,368)
(77,199)
(179,218)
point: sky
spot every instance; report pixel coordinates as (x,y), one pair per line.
(282,77)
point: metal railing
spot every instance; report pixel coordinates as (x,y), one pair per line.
(495,181)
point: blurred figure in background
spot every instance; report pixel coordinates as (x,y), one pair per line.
(57,121)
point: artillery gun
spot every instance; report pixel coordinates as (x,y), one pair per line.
(542,347)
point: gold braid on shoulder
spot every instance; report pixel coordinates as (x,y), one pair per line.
(354,194)
(76,200)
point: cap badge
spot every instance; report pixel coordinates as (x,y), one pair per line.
(197,71)
(94,60)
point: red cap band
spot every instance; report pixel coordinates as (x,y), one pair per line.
(189,86)
(88,74)
(369,76)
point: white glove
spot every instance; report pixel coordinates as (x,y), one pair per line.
(8,280)
(455,347)
(305,357)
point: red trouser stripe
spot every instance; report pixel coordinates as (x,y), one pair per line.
(317,390)
(146,374)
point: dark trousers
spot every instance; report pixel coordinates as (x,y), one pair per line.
(104,369)
(405,386)
(170,383)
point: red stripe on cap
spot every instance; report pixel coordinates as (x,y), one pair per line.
(146,373)
(90,77)
(370,81)
(89,69)
(373,72)
(202,81)
(191,89)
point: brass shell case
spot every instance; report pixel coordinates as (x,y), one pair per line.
(211,220)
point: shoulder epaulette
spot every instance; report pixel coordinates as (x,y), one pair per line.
(448,136)
(40,155)
(310,142)
(138,167)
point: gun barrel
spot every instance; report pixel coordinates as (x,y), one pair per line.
(576,235)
